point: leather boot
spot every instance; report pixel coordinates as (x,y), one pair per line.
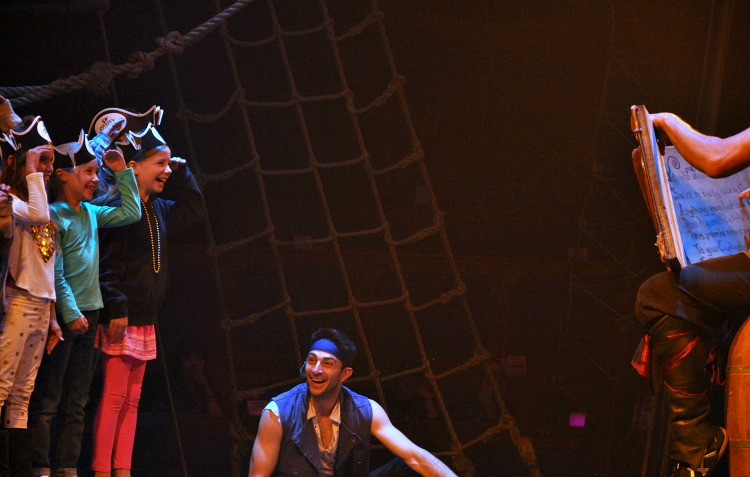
(690,426)
(681,355)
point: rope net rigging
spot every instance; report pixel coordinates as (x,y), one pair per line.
(321,213)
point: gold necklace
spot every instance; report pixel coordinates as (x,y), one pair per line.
(155,244)
(45,239)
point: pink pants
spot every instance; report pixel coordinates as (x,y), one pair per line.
(117,415)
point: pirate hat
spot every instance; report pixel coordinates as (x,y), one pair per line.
(135,122)
(145,141)
(29,136)
(72,154)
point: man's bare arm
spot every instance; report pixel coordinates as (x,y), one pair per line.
(424,463)
(716,157)
(266,448)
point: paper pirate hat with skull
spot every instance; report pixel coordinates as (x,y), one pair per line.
(72,154)
(136,122)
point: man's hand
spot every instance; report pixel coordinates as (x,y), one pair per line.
(79,326)
(114,161)
(176,162)
(116,328)
(659,119)
(33,156)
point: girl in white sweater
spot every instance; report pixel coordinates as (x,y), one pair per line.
(28,279)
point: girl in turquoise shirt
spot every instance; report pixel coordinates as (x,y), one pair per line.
(62,386)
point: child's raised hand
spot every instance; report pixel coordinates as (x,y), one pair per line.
(33,156)
(176,162)
(114,161)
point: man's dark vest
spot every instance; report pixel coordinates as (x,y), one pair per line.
(299,455)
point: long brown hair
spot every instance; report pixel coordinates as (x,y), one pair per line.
(13,174)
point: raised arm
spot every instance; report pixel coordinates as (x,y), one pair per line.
(129,210)
(424,463)
(36,210)
(265,453)
(183,198)
(716,157)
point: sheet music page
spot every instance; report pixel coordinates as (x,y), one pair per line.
(712,220)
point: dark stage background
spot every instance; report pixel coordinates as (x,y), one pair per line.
(522,109)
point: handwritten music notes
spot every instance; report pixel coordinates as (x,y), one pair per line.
(712,220)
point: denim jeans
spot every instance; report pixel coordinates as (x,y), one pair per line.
(59,397)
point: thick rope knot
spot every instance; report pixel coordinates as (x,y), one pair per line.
(172,42)
(100,77)
(139,62)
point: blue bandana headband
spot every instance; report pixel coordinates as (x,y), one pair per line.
(329,346)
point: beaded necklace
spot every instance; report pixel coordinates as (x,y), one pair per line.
(155,241)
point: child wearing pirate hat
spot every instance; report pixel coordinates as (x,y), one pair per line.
(108,130)
(69,367)
(127,122)
(133,288)
(28,287)
(8,120)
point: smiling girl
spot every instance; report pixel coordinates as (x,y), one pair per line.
(65,374)
(134,277)
(29,277)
